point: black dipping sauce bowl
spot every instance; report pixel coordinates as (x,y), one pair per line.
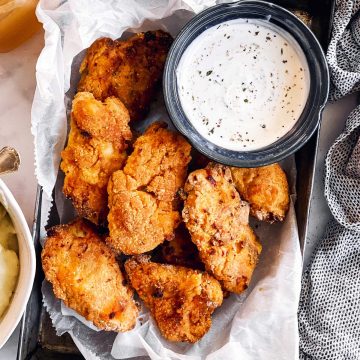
(318,74)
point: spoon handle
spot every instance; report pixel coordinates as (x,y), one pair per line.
(9,160)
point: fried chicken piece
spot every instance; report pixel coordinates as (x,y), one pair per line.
(130,70)
(217,220)
(266,189)
(181,250)
(86,276)
(142,195)
(181,300)
(96,148)
(138,222)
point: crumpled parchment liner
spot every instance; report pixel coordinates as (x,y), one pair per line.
(259,324)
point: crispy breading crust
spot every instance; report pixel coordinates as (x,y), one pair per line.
(141,196)
(218,223)
(96,148)
(181,300)
(266,189)
(181,250)
(130,70)
(138,222)
(86,276)
(159,161)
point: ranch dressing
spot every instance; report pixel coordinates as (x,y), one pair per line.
(243,84)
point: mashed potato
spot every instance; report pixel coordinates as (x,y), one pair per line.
(9,261)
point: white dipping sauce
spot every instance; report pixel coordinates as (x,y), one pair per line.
(243,84)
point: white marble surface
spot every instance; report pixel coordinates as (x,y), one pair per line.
(17,86)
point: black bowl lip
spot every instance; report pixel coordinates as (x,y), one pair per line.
(261,159)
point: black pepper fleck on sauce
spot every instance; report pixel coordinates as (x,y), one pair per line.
(252,52)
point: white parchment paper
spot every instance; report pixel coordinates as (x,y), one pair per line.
(259,324)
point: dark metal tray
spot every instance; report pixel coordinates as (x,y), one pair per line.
(38,339)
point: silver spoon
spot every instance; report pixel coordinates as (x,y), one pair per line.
(9,160)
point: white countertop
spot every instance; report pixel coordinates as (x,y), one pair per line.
(17,85)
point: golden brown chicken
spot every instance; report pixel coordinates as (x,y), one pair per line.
(130,70)
(86,276)
(266,189)
(218,223)
(142,196)
(138,222)
(96,148)
(181,250)
(181,300)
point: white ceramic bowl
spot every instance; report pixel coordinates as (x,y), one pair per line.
(27,262)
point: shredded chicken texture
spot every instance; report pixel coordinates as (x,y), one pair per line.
(96,148)
(266,189)
(142,196)
(130,70)
(181,300)
(217,220)
(86,276)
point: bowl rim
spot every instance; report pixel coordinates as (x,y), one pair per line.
(302,130)
(27,265)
